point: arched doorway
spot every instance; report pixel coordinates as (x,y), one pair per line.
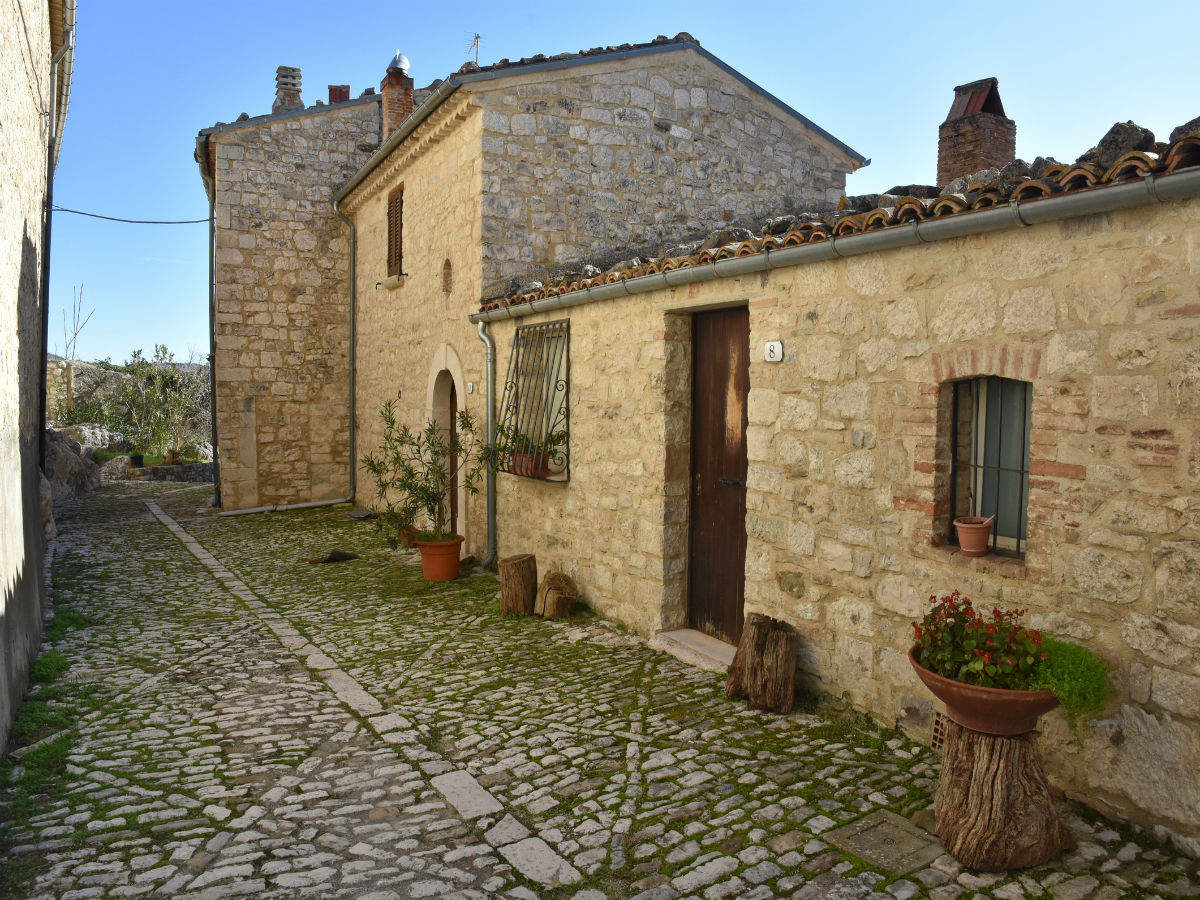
(444,397)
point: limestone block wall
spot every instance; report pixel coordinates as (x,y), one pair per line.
(848,448)
(606,159)
(25,70)
(411,331)
(282,303)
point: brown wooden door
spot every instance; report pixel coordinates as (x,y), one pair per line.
(453,461)
(720,383)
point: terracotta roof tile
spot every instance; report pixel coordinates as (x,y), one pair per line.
(1055,179)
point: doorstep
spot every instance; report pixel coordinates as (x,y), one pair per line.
(695,648)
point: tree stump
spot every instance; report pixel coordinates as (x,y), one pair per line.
(993,809)
(764,668)
(555,581)
(518,584)
(558,605)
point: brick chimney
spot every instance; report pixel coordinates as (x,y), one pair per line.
(287,89)
(976,134)
(339,93)
(397,90)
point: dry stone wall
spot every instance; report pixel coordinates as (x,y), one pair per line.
(282,303)
(602,160)
(24,68)
(848,448)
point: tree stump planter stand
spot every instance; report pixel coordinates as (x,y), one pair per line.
(518,584)
(993,809)
(764,668)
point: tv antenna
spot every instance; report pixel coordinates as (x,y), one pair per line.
(474,45)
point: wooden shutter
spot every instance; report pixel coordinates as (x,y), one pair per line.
(395,232)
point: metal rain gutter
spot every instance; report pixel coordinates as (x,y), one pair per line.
(489,344)
(353,348)
(1151,189)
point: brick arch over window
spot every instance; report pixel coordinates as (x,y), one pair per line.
(927,497)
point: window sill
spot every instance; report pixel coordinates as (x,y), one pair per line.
(1007,566)
(393,281)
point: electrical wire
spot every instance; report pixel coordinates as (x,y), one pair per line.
(80,212)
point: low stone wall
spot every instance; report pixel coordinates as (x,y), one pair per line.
(847,500)
(189,472)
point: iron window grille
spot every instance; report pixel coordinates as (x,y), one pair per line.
(989,458)
(533,436)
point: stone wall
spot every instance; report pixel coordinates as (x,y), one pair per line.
(24,68)
(410,330)
(282,298)
(847,516)
(600,161)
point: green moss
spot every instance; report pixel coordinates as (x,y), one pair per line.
(1076,676)
(48,667)
(35,719)
(64,621)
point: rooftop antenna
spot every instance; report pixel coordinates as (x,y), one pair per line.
(474,45)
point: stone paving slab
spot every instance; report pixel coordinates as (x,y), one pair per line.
(237,721)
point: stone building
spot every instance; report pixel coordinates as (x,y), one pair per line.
(787,421)
(875,339)
(279,309)
(511,171)
(36,59)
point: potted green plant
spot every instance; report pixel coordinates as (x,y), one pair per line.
(529,455)
(414,473)
(995,675)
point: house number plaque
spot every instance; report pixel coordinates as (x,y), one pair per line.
(773,351)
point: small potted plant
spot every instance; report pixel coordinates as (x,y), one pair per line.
(414,473)
(995,675)
(528,455)
(973,534)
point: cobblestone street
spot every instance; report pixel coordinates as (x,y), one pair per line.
(231,719)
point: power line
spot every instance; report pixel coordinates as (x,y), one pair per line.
(80,212)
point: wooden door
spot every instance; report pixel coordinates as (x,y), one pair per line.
(453,461)
(717,547)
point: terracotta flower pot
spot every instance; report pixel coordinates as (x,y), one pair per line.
(985,709)
(973,534)
(439,559)
(534,465)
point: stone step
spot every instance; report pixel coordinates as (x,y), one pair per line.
(695,648)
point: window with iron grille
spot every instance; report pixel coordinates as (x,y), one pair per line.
(395,232)
(989,457)
(532,434)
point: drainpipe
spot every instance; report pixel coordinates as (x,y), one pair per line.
(490,379)
(52,136)
(212,348)
(337,208)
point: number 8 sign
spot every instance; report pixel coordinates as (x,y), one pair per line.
(773,351)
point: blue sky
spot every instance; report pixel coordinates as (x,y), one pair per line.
(877,75)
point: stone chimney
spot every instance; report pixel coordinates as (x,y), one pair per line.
(976,134)
(287,89)
(339,93)
(397,90)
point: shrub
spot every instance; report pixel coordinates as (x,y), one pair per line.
(1077,677)
(415,471)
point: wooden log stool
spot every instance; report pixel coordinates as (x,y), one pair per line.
(556,596)
(993,810)
(764,668)
(518,584)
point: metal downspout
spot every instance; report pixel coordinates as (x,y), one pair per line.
(212,348)
(337,208)
(489,344)
(47,219)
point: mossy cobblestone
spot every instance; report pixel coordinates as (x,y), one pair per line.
(185,750)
